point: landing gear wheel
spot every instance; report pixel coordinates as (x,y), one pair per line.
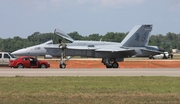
(151,57)
(62,65)
(115,65)
(108,66)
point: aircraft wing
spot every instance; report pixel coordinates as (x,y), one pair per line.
(107,52)
(99,49)
(113,50)
(98,52)
(72,47)
(81,48)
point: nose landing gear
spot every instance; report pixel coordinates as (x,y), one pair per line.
(62,61)
(62,66)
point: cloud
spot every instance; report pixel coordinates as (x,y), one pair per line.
(43,5)
(174,5)
(119,2)
(38,5)
(102,3)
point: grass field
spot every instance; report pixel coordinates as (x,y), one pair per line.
(89,90)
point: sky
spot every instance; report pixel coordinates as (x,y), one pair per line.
(24,17)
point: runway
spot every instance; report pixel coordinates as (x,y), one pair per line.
(91,72)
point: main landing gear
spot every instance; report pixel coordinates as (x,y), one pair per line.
(110,62)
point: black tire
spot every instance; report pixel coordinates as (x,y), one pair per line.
(43,66)
(151,57)
(20,66)
(62,66)
(115,65)
(108,66)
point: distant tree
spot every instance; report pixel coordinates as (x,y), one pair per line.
(168,41)
(94,37)
(114,37)
(118,37)
(109,37)
(34,36)
(75,35)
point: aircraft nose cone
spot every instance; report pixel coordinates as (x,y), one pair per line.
(20,52)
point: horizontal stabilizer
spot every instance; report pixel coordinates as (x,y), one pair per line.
(151,52)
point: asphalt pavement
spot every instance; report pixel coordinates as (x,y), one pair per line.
(7,72)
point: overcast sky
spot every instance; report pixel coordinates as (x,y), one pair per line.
(24,17)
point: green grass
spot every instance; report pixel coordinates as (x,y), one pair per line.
(89,90)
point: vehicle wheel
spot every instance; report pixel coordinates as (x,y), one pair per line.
(43,66)
(20,66)
(62,65)
(115,65)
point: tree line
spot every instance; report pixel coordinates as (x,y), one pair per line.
(167,42)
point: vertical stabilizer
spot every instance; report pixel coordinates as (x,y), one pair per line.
(138,36)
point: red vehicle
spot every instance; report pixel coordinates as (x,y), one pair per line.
(28,62)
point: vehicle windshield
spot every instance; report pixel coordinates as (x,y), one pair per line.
(12,55)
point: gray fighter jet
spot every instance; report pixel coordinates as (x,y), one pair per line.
(135,44)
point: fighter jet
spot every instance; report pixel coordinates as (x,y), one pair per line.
(135,44)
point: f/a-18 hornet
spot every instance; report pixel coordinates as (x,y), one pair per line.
(135,44)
